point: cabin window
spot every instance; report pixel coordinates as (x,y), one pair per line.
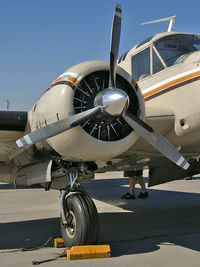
(174,48)
(141,64)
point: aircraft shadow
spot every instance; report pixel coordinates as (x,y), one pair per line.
(28,234)
(10,186)
(120,230)
(4,186)
(166,217)
(127,234)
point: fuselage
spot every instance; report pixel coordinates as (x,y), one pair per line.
(167,70)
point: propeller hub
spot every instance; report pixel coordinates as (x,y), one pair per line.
(115,101)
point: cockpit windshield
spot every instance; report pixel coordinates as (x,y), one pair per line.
(174,48)
(165,52)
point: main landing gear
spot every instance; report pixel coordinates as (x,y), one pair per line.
(79,218)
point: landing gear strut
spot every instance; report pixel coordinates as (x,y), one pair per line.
(79,218)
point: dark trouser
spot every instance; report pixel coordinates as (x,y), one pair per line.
(133,173)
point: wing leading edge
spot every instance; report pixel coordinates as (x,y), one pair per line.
(13,120)
(12,127)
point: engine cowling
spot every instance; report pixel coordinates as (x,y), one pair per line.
(73,92)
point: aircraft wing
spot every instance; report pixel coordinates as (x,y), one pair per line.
(12,127)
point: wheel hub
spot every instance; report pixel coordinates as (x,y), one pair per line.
(71,225)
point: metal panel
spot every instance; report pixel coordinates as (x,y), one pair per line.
(36,173)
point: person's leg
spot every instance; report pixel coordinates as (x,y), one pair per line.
(142,183)
(132,182)
(143,193)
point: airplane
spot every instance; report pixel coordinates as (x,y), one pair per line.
(139,110)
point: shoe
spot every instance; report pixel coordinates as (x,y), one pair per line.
(188,178)
(128,196)
(143,195)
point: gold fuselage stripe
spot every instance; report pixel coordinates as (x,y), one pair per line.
(173,84)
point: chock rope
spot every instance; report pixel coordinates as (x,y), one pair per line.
(37,248)
(63,254)
(29,249)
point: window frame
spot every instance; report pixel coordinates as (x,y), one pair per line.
(151,49)
(159,56)
(178,35)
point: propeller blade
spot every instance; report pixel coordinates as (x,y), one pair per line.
(115,39)
(57,127)
(156,140)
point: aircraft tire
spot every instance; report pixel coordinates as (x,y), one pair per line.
(94,220)
(84,226)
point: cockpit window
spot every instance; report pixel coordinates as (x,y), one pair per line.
(141,64)
(174,48)
(167,51)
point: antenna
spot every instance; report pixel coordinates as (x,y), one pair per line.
(171,22)
(8,105)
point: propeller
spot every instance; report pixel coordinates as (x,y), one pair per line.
(114,46)
(110,102)
(144,130)
(58,127)
(156,140)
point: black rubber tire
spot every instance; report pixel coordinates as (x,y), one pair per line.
(94,219)
(85,227)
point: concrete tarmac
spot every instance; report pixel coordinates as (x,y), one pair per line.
(163,230)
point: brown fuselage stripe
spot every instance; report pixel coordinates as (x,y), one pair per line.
(168,89)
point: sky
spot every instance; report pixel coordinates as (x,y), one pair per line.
(40,39)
